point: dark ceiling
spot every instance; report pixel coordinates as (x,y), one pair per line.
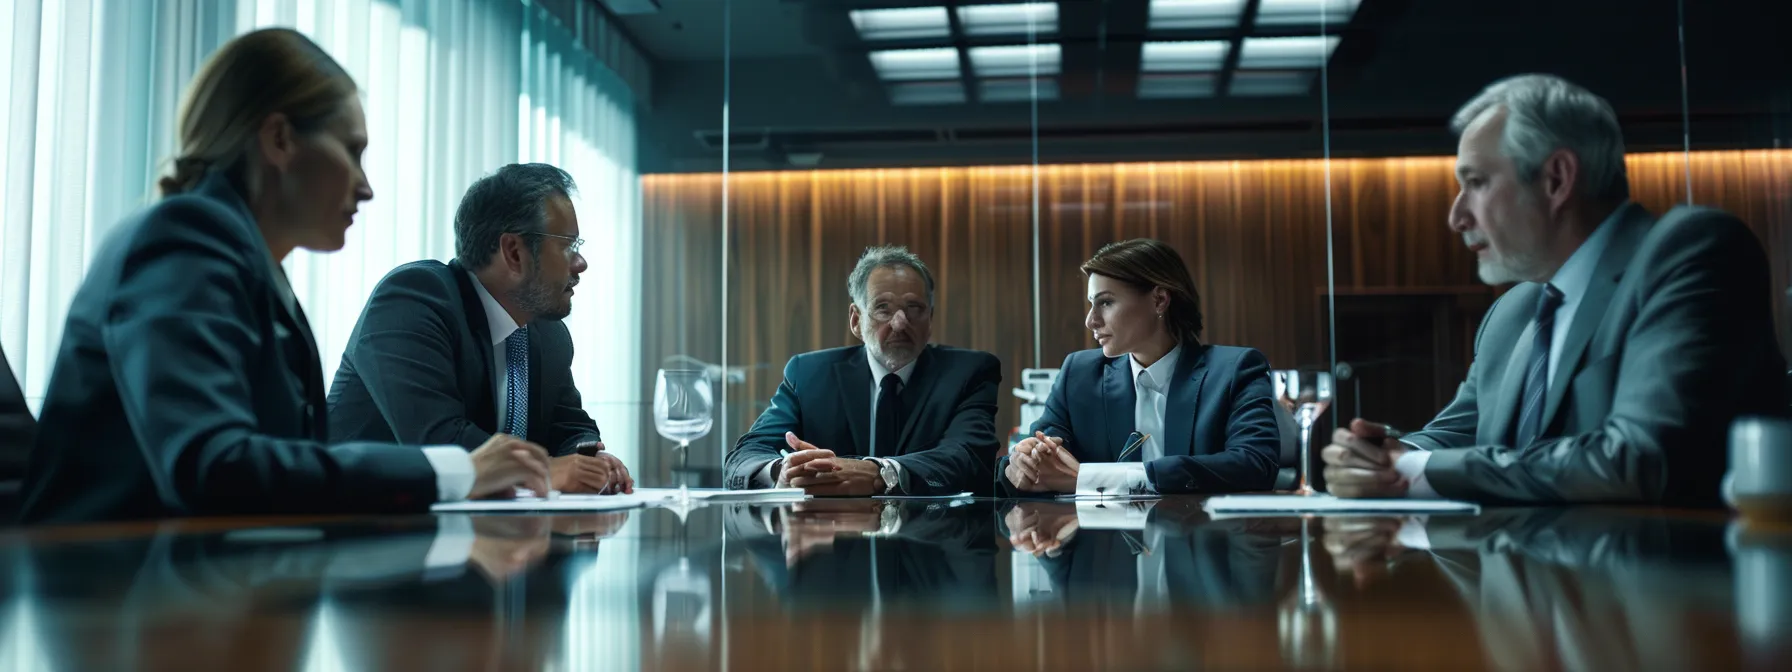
(800,87)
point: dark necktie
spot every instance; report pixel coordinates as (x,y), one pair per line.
(1536,376)
(516,374)
(889,415)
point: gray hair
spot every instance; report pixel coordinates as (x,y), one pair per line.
(884,256)
(511,200)
(1545,113)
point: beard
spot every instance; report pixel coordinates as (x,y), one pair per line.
(895,358)
(542,299)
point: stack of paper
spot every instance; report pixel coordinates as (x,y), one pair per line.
(525,501)
(1323,504)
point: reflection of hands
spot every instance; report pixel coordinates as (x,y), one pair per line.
(1363,545)
(504,546)
(591,526)
(600,474)
(1041,463)
(1360,461)
(1041,528)
(811,526)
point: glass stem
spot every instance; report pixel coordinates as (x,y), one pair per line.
(1306,445)
(684,459)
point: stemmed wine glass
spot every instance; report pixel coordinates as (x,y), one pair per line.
(1307,394)
(683,407)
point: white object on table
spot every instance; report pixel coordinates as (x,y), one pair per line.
(1323,504)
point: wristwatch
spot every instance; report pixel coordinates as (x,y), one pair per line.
(886,470)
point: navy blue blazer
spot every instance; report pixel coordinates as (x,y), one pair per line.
(1220,432)
(948,439)
(186,385)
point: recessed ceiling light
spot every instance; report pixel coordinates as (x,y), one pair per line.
(1271,83)
(1177,85)
(1013,60)
(1195,14)
(1305,12)
(927,93)
(1038,18)
(1202,56)
(905,64)
(903,23)
(1274,53)
(1013,89)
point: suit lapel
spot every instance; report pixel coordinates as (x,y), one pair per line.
(1512,383)
(853,377)
(1184,398)
(483,414)
(1591,311)
(1119,395)
(915,395)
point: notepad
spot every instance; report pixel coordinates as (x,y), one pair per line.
(561,503)
(723,495)
(1323,504)
(962,495)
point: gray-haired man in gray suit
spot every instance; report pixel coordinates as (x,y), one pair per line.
(1611,372)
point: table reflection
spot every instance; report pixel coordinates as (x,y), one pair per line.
(913,584)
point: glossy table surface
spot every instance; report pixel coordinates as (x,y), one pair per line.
(905,585)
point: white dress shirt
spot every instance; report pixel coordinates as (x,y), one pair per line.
(767,476)
(1572,280)
(1151,386)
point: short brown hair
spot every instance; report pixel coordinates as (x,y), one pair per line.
(273,70)
(1146,264)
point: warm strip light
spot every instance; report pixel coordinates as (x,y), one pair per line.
(1653,159)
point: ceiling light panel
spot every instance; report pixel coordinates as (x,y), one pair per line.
(909,23)
(1036,18)
(1195,14)
(1015,60)
(1306,12)
(908,64)
(1271,53)
(1206,56)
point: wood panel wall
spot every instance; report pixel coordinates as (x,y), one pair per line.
(1253,233)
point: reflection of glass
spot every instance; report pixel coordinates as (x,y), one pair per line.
(682,412)
(681,606)
(1308,622)
(1307,394)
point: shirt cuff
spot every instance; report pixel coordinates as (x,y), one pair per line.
(1112,478)
(454,472)
(766,476)
(1412,534)
(452,547)
(1412,467)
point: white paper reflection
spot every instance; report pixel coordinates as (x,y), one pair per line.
(324,652)
(603,627)
(21,639)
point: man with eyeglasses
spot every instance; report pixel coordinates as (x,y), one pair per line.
(450,354)
(895,416)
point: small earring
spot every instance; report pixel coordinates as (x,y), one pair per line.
(1160,316)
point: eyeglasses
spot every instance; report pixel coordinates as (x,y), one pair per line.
(572,247)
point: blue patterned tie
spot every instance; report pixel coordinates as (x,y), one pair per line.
(1536,378)
(516,375)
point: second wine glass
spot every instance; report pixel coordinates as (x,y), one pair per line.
(1306,394)
(683,411)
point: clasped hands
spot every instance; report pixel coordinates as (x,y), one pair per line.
(1041,463)
(1360,462)
(822,474)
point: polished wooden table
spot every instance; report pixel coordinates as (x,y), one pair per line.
(904,585)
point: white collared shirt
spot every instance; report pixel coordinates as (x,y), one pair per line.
(502,326)
(1151,402)
(1572,280)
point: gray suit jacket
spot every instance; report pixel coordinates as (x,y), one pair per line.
(1673,339)
(186,384)
(418,369)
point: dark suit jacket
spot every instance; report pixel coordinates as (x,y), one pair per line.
(17,426)
(947,441)
(1220,424)
(1673,340)
(418,368)
(185,386)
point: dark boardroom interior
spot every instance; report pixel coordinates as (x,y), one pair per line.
(1296,153)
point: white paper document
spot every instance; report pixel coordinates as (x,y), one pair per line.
(962,495)
(1119,496)
(1323,504)
(561,503)
(721,495)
